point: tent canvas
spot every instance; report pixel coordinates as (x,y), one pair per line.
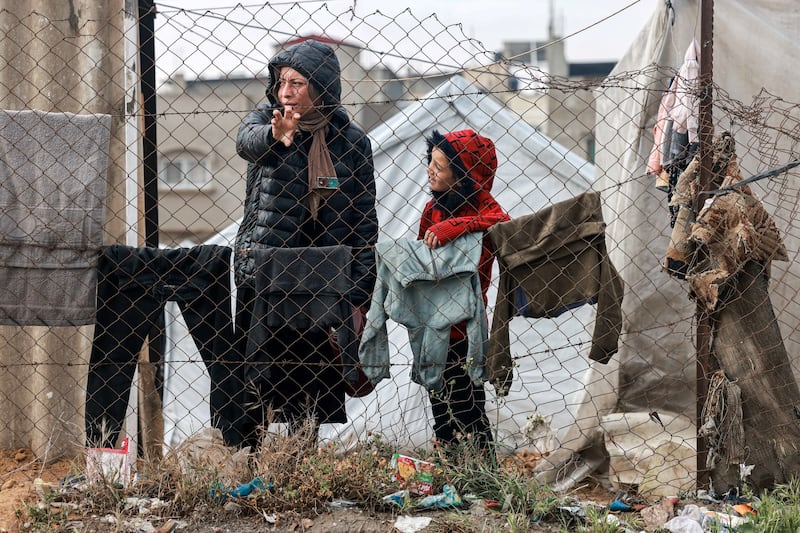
(754,43)
(534,171)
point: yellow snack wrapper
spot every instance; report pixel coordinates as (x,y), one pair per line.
(417,475)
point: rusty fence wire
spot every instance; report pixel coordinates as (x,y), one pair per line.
(107,334)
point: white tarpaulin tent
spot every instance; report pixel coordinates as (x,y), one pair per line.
(756,49)
(533,172)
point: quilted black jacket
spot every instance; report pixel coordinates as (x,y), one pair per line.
(276,209)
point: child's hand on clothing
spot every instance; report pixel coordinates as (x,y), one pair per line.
(431,240)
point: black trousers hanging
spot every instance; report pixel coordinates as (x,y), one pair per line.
(133,286)
(459,414)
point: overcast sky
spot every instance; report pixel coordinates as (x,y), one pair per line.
(230,37)
(495,21)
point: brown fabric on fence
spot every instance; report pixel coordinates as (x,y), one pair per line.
(680,252)
(722,422)
(728,251)
(733,228)
(749,348)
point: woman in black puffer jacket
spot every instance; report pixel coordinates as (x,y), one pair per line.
(310,183)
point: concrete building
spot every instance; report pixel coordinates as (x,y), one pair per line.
(534,79)
(202,180)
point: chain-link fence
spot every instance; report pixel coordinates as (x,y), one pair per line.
(600,278)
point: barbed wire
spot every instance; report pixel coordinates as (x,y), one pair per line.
(382,53)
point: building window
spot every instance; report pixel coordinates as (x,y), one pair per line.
(184,170)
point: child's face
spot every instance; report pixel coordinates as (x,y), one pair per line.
(440,175)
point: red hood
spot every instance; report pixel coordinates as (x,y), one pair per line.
(478,155)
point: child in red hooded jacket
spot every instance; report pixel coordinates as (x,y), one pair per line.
(461,170)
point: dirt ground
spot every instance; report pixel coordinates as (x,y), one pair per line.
(19,471)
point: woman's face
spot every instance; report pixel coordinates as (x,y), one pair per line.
(293,91)
(440,175)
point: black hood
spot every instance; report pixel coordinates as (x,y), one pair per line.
(318,63)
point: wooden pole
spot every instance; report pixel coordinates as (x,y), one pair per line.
(705,134)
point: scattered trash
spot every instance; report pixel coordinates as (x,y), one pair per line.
(399,498)
(477,506)
(618,506)
(109,465)
(411,524)
(41,486)
(744,509)
(492,504)
(72,481)
(168,527)
(706,496)
(695,519)
(683,524)
(744,471)
(219,494)
(71,507)
(342,504)
(713,520)
(145,506)
(448,498)
(733,497)
(624,502)
(656,515)
(415,473)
